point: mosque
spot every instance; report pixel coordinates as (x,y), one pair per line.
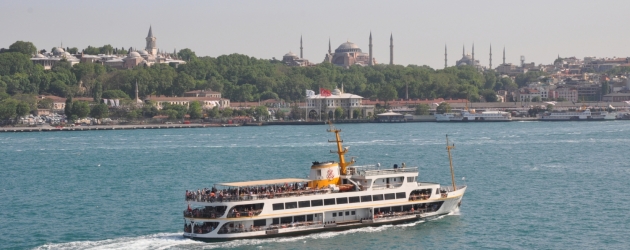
(346,55)
(49,59)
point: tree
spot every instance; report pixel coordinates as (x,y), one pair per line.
(22,109)
(338,113)
(387,93)
(422,109)
(81,109)
(97,92)
(605,88)
(444,107)
(280,114)
(536,99)
(260,113)
(114,94)
(26,48)
(186,54)
(549,107)
(356,113)
(227,112)
(489,95)
(99,111)
(214,112)
(67,110)
(195,111)
(8,109)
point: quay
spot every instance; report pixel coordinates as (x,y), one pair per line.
(104,127)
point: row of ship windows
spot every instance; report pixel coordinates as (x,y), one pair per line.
(338,201)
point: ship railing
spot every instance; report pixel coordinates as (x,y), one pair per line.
(301,225)
(393,215)
(244,213)
(376,171)
(247,197)
(202,214)
(448,189)
(386,186)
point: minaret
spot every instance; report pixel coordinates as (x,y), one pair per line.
(463,51)
(445,60)
(391,49)
(473,54)
(329,50)
(301,48)
(503,55)
(370,62)
(490,56)
(151,48)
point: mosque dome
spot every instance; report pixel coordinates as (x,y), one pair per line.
(291,54)
(39,56)
(133,54)
(336,91)
(58,51)
(144,53)
(348,47)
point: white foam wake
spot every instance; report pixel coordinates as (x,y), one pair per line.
(177,241)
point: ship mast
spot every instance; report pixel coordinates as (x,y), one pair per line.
(340,151)
(450,160)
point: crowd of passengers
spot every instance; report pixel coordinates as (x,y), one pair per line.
(270,191)
(204,228)
(206,212)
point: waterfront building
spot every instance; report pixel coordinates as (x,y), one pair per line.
(316,104)
(206,102)
(202,93)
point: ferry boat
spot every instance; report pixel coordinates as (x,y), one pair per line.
(582,115)
(466,116)
(336,196)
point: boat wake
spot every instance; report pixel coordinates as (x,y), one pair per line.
(177,241)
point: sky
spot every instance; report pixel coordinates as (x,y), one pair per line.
(538,30)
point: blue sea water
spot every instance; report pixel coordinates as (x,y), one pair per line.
(531,185)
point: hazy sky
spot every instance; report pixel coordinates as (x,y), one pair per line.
(539,30)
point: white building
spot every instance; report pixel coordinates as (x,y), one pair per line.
(315,104)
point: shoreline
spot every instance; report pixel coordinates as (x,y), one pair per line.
(47,128)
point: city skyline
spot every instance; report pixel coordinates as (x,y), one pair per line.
(267,30)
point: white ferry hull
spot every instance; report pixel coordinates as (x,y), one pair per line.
(451,203)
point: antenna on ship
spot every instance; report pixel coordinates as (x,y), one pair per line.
(450,160)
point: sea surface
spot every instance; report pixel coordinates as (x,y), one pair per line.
(531,185)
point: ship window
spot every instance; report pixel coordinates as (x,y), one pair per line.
(347,213)
(299,218)
(329,201)
(319,172)
(354,199)
(390,196)
(353,212)
(290,205)
(334,214)
(316,203)
(342,200)
(377,197)
(410,179)
(309,217)
(260,223)
(396,209)
(366,198)
(284,220)
(278,206)
(401,195)
(275,221)
(304,203)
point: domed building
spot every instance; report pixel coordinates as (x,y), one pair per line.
(291,59)
(316,105)
(468,59)
(49,59)
(349,53)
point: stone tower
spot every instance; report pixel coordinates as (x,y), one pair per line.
(391,49)
(371,62)
(151,48)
